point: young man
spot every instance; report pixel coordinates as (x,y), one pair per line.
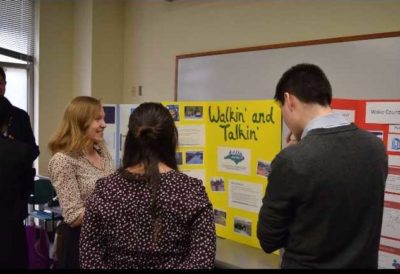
(324,199)
(20,127)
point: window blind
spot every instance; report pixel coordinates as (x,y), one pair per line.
(17,29)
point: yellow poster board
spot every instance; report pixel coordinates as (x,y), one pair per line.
(230,145)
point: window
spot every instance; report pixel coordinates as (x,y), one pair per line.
(16,50)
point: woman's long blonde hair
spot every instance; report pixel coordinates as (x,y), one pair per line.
(70,136)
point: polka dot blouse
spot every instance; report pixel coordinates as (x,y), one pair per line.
(117,230)
(74,178)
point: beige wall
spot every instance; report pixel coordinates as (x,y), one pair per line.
(107,65)
(157,31)
(80,51)
(54,69)
(135,42)
(82,47)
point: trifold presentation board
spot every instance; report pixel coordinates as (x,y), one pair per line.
(229,145)
(382,118)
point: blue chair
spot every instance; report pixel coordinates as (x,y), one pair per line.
(42,195)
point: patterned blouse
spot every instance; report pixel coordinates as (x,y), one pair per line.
(74,178)
(117,226)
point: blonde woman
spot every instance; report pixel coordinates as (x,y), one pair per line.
(79,159)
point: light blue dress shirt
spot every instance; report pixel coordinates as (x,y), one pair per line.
(330,120)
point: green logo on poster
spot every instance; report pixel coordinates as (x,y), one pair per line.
(235,156)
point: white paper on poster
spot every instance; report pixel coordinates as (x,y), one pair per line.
(393,181)
(393,143)
(196,173)
(394,129)
(109,137)
(388,260)
(347,114)
(392,197)
(125,111)
(394,160)
(389,254)
(382,113)
(191,135)
(390,242)
(110,133)
(234,160)
(244,195)
(391,220)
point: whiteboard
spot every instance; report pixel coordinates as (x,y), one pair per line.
(357,69)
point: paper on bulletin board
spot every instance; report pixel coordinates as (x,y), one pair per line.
(348,114)
(391,217)
(393,181)
(389,254)
(394,160)
(389,247)
(382,113)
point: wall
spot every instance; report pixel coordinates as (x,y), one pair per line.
(54,85)
(80,52)
(82,47)
(157,31)
(107,65)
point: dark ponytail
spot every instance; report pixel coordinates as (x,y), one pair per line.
(152,138)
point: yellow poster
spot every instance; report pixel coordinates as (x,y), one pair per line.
(230,146)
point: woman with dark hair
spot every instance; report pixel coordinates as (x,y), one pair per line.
(148,214)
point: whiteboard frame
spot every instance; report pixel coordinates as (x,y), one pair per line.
(280,46)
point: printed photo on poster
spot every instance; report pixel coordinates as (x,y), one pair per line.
(178,157)
(393,142)
(174,110)
(220,217)
(377,133)
(242,226)
(263,168)
(109,112)
(217,184)
(193,112)
(234,160)
(194,157)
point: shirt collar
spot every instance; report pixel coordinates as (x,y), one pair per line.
(330,120)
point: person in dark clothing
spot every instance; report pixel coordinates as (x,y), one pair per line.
(16,178)
(20,126)
(324,199)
